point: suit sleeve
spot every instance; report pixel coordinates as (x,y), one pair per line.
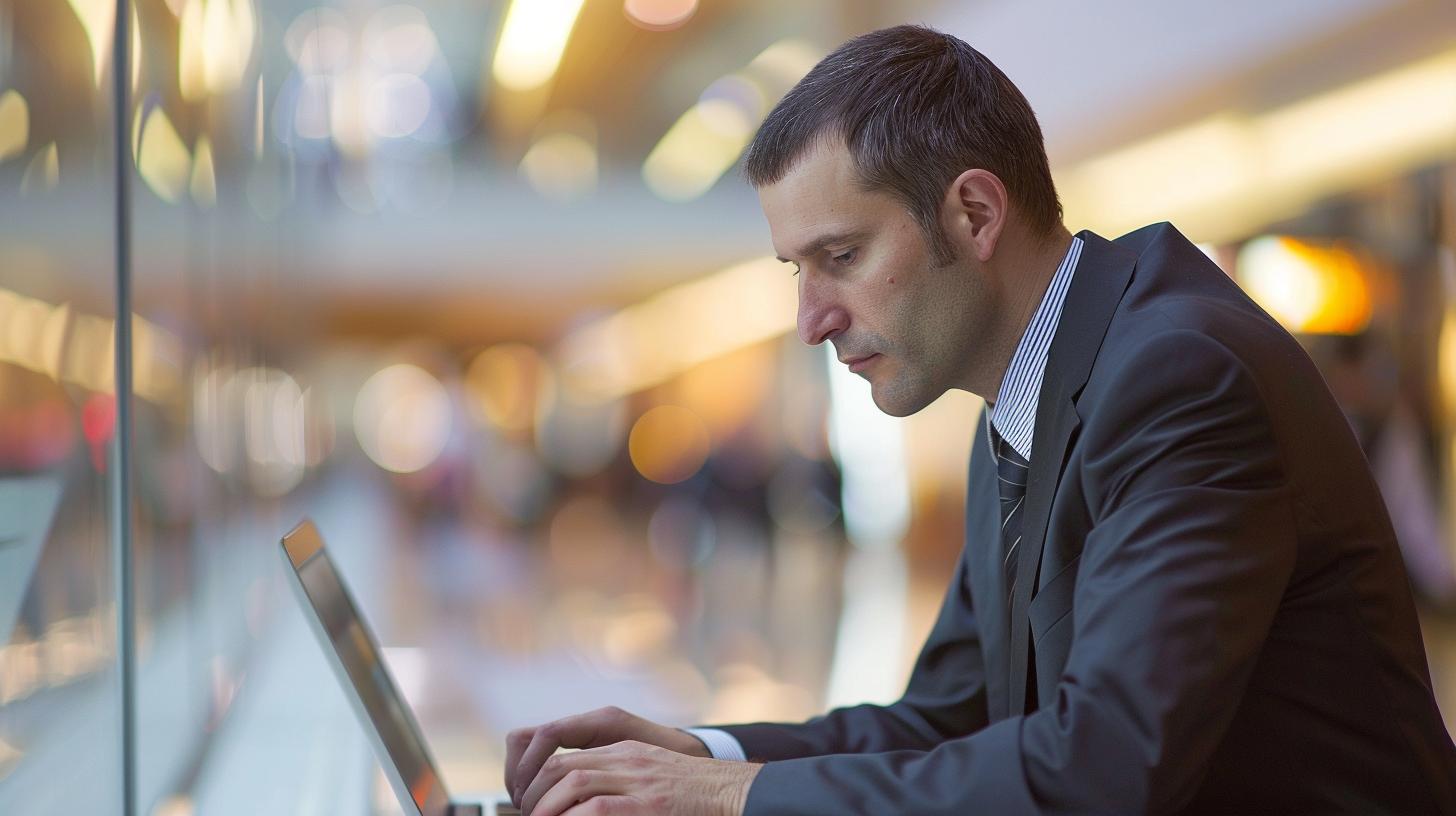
(1191,546)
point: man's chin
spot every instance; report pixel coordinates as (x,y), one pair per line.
(896,404)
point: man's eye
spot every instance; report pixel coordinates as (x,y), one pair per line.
(845,257)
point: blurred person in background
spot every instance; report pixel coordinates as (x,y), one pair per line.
(1362,374)
(1180,589)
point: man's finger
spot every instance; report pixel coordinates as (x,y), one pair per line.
(579,786)
(579,731)
(551,772)
(543,744)
(516,742)
(559,734)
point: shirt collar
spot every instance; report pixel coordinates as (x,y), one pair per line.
(1014,413)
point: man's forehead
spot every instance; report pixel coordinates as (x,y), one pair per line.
(826,168)
(819,196)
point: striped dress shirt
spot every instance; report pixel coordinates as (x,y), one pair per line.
(1014,412)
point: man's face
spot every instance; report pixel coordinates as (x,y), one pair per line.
(869,285)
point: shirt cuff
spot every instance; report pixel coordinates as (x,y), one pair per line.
(721,744)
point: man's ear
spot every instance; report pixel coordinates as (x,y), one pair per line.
(975,212)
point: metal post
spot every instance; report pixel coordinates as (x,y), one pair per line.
(121,532)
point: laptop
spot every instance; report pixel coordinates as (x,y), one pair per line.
(353,653)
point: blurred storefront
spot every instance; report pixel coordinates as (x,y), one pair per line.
(476,287)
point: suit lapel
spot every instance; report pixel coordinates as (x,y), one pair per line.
(1101,277)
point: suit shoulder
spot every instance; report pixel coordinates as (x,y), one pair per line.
(1176,287)
(1140,238)
(1169,354)
(1193,336)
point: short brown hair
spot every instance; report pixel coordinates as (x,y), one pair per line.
(916,108)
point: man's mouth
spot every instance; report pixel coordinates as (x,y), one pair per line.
(857,364)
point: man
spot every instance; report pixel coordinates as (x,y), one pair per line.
(1179,591)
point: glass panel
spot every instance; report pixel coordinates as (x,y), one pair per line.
(59,689)
(236,709)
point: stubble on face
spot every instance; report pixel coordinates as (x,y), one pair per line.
(940,318)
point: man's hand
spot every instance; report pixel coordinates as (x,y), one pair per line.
(634,778)
(527,749)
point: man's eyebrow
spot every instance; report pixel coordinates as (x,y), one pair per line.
(817,245)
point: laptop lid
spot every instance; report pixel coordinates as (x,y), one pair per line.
(27,508)
(354,654)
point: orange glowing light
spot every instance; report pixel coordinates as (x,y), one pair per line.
(1310,288)
(668,444)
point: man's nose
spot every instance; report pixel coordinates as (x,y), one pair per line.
(819,317)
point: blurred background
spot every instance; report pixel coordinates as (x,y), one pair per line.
(477,287)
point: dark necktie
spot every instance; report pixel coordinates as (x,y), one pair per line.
(1011,473)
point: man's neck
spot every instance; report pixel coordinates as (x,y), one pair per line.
(1027,276)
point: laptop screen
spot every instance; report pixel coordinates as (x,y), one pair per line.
(362,672)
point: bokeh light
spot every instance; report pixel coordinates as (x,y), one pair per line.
(215,46)
(708,138)
(698,149)
(361,87)
(162,158)
(642,629)
(562,165)
(532,40)
(216,419)
(203,185)
(397,105)
(727,391)
(398,39)
(97,18)
(504,384)
(402,418)
(318,41)
(14,124)
(252,421)
(659,15)
(668,444)
(1307,287)
(1446,348)
(274,428)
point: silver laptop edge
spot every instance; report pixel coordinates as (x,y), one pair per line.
(309,562)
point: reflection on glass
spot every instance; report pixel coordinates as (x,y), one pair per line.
(59,692)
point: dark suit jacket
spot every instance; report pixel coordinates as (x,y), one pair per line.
(1220,620)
